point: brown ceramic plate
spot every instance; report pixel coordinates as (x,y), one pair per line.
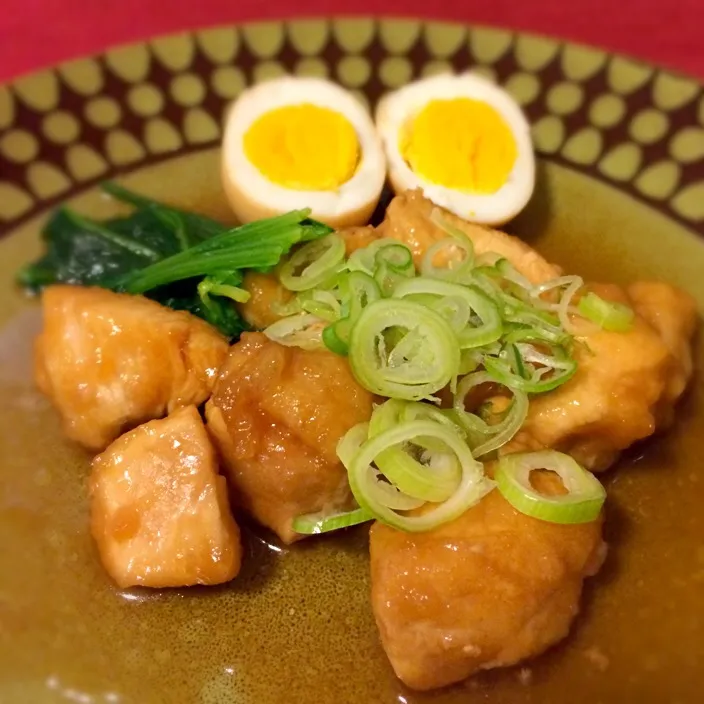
(620,196)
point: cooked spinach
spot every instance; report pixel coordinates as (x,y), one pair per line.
(164,253)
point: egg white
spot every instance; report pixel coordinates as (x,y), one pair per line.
(397,108)
(253,196)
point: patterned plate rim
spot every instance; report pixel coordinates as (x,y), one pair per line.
(620,120)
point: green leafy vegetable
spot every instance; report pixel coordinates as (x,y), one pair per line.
(165,253)
(257,245)
(190,228)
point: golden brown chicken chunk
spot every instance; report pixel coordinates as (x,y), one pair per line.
(673,315)
(111,361)
(626,382)
(408,219)
(267,294)
(357,237)
(489,589)
(160,513)
(277,414)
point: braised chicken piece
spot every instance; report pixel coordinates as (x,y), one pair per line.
(409,219)
(277,414)
(160,513)
(626,382)
(489,589)
(673,315)
(266,298)
(358,237)
(267,295)
(111,361)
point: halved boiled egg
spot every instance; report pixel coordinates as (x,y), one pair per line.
(302,143)
(463,141)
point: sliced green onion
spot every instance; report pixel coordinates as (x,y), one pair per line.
(393,263)
(349,444)
(425,411)
(304,331)
(317,262)
(287,309)
(612,316)
(485,438)
(516,362)
(510,273)
(384,492)
(357,291)
(472,487)
(414,410)
(470,360)
(581,504)
(379,487)
(541,322)
(207,288)
(323,304)
(571,285)
(555,369)
(486,259)
(364,259)
(435,480)
(316,523)
(427,367)
(386,415)
(458,270)
(455,310)
(518,332)
(336,336)
(490,328)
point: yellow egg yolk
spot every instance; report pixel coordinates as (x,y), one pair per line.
(303,147)
(462,144)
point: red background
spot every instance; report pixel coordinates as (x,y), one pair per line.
(40,33)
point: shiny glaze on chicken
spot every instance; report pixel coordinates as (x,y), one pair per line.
(277,414)
(110,361)
(160,512)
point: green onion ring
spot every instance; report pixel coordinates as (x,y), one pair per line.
(458,273)
(488,438)
(357,291)
(582,503)
(349,444)
(439,350)
(435,481)
(303,330)
(489,331)
(609,315)
(336,336)
(364,259)
(457,240)
(319,259)
(381,490)
(322,304)
(571,284)
(561,364)
(510,273)
(393,263)
(316,523)
(472,487)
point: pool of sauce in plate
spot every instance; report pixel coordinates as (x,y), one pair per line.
(296,625)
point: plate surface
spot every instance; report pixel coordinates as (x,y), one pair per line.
(620,196)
